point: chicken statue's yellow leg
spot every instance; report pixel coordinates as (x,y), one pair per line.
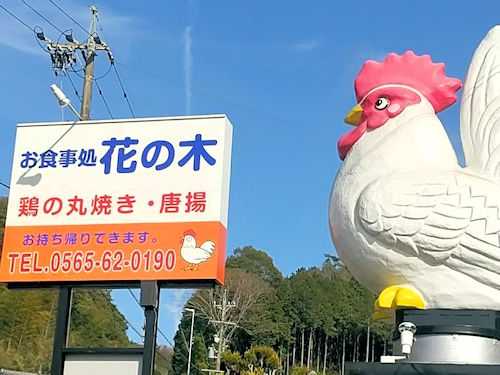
(397,297)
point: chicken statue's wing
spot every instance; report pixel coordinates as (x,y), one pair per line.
(451,219)
(208,246)
(480,109)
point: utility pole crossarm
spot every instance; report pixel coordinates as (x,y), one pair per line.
(223,322)
(63,56)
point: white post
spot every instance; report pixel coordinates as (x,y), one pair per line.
(190,340)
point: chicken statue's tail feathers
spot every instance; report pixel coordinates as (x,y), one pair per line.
(208,246)
(480,110)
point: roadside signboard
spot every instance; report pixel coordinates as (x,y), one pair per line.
(119,200)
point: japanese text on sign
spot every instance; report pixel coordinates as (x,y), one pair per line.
(122,155)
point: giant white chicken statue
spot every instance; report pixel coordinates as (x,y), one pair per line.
(409,222)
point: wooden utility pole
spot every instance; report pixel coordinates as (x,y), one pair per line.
(224,306)
(63,57)
(89,55)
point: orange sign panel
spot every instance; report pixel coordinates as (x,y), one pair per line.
(125,200)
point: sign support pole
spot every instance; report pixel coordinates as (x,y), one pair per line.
(65,292)
(61,332)
(149,301)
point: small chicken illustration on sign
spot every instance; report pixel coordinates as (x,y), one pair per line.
(408,221)
(192,254)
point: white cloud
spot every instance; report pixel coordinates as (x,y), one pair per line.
(188,67)
(306,45)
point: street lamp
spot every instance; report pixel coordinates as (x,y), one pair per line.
(63,100)
(190,339)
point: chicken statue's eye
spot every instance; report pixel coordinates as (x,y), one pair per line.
(382,103)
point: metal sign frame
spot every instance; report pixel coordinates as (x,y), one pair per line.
(149,299)
(148,351)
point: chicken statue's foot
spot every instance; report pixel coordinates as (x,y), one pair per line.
(191,267)
(399,297)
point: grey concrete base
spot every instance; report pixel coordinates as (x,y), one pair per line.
(453,348)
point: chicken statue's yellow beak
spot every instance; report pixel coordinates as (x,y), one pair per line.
(354,117)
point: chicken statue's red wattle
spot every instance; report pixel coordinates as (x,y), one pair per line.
(348,140)
(374,109)
(407,220)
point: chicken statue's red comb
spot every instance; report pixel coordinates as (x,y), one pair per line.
(189,232)
(418,72)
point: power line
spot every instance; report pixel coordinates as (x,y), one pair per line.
(160,332)
(39,33)
(161,355)
(16,18)
(123,89)
(134,297)
(99,90)
(132,326)
(77,72)
(103,98)
(166,338)
(126,320)
(113,65)
(173,346)
(69,16)
(5,185)
(120,81)
(139,304)
(158,328)
(43,17)
(134,329)
(73,85)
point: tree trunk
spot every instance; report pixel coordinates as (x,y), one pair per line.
(302,350)
(293,352)
(355,355)
(280,357)
(287,359)
(373,348)
(367,343)
(351,339)
(309,349)
(325,354)
(318,350)
(19,343)
(343,354)
(339,353)
(385,346)
(47,327)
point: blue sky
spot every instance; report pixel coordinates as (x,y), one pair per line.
(282,71)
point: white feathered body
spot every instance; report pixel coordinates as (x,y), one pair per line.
(403,211)
(193,254)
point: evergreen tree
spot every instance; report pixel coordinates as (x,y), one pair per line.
(257,262)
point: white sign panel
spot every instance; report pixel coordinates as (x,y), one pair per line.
(119,200)
(102,364)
